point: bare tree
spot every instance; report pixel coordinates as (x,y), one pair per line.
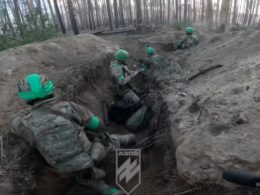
(234,17)
(121,13)
(116,13)
(109,14)
(72,17)
(130,11)
(202,10)
(59,17)
(91,16)
(209,14)
(185,10)
(17,17)
(138,13)
(224,13)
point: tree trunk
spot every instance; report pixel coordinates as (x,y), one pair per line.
(161,11)
(169,11)
(234,18)
(246,13)
(224,13)
(256,13)
(17,17)
(116,13)
(59,17)
(180,11)
(109,14)
(98,14)
(185,10)
(72,17)
(138,13)
(209,14)
(130,11)
(53,15)
(91,14)
(203,10)
(121,13)
(8,18)
(177,9)
(194,11)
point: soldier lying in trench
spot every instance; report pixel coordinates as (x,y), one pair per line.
(69,137)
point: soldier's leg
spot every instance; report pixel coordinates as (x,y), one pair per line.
(123,140)
(101,187)
(93,178)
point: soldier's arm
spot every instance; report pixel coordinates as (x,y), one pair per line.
(87,118)
(19,129)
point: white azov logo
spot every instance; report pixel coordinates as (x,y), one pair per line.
(128,169)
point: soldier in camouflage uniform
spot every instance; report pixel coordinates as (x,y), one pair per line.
(121,76)
(189,40)
(69,137)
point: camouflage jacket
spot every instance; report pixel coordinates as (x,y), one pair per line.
(187,42)
(63,143)
(121,75)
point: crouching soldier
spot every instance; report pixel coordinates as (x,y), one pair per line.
(189,40)
(70,138)
(129,104)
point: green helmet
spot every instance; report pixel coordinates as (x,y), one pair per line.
(150,51)
(189,30)
(121,55)
(35,86)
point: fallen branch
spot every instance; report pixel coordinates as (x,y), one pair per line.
(188,191)
(204,71)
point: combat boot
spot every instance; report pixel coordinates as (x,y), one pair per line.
(124,140)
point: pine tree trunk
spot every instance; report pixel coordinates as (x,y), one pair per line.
(116,13)
(85,13)
(234,18)
(180,11)
(47,14)
(73,20)
(169,12)
(9,22)
(177,9)
(185,10)
(194,11)
(209,14)
(17,17)
(97,14)
(256,13)
(53,15)
(138,13)
(203,10)
(130,11)
(109,14)
(224,12)
(59,17)
(121,13)
(91,15)
(66,14)
(161,11)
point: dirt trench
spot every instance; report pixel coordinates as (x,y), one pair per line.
(88,85)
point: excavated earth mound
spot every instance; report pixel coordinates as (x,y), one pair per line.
(215,117)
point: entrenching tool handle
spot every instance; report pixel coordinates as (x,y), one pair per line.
(104,106)
(242,178)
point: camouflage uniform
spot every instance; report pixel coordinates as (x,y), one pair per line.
(66,146)
(121,76)
(188,41)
